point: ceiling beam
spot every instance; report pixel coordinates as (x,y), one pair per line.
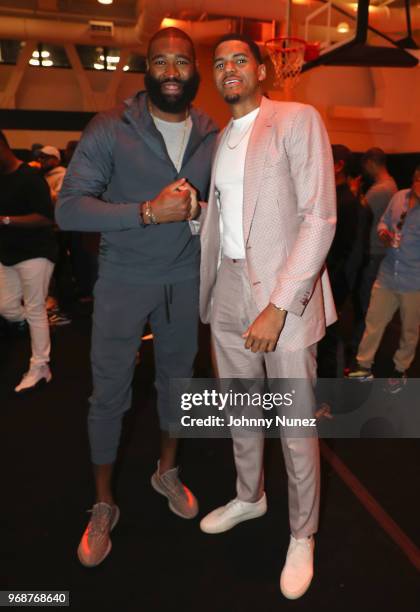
(8,96)
(47,5)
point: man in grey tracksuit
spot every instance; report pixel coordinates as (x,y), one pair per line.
(136,177)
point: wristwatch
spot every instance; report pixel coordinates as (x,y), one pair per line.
(6,220)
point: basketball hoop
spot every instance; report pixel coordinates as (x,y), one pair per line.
(287,54)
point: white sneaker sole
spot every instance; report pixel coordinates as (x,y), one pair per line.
(296,594)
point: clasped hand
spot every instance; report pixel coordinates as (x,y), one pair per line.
(177,202)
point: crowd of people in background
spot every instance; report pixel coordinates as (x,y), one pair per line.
(396,284)
(28,252)
(44,271)
(373,263)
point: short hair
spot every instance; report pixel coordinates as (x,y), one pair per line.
(253,47)
(166,33)
(3,140)
(376,155)
(342,153)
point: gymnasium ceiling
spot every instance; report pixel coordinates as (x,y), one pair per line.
(146,15)
(125,12)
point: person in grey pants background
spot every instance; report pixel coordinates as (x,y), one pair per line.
(136,177)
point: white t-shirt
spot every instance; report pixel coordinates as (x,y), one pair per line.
(176,136)
(229,181)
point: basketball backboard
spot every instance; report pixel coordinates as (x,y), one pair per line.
(376,33)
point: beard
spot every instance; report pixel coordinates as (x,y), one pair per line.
(172,103)
(232,98)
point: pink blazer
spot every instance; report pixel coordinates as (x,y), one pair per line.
(289,221)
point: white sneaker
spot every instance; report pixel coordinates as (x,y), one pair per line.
(299,567)
(234,512)
(35,375)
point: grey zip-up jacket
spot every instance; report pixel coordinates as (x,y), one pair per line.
(121,161)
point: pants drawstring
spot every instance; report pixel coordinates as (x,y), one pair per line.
(168,301)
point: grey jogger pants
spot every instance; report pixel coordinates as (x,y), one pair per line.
(120,314)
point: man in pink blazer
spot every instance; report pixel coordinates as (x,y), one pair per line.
(264,289)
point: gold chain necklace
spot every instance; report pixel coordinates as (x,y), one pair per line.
(235,146)
(184,134)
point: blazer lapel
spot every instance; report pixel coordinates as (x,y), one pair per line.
(255,162)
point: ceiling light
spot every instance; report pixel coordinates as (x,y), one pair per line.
(105,1)
(343,27)
(167,22)
(111,59)
(126,68)
(34,61)
(98,66)
(43,54)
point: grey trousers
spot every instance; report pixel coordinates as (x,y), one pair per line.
(233,310)
(120,314)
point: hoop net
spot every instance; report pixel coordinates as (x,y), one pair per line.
(287,55)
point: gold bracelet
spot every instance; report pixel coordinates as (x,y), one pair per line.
(148,212)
